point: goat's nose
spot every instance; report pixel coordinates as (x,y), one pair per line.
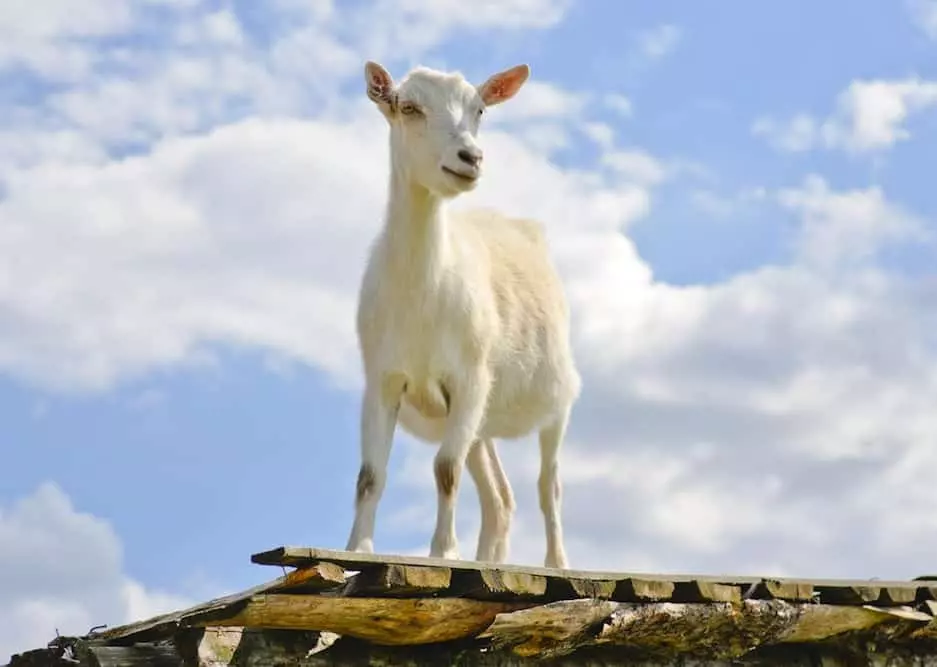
(470,157)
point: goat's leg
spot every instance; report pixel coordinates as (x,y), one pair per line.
(495,509)
(551,438)
(466,412)
(378,420)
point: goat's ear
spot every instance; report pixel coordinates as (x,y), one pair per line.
(380,86)
(503,85)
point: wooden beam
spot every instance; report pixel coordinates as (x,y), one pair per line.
(572,588)
(399,581)
(310,579)
(497,584)
(850,594)
(386,621)
(891,595)
(352,560)
(792,591)
(643,590)
(706,591)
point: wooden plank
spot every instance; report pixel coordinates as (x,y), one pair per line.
(773,589)
(851,595)
(891,595)
(705,591)
(497,584)
(572,588)
(643,590)
(399,581)
(925,593)
(386,621)
(313,578)
(296,556)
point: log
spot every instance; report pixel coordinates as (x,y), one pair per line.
(823,621)
(722,631)
(550,630)
(386,621)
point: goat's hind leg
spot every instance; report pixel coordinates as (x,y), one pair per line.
(495,498)
(550,488)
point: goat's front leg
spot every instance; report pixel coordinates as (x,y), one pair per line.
(467,409)
(378,419)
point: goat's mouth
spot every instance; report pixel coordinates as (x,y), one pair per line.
(467,178)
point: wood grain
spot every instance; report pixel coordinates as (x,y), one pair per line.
(386,621)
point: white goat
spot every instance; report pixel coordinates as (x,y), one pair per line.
(462,320)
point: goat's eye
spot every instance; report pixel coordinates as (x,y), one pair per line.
(481,112)
(408,109)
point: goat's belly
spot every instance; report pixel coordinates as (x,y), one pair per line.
(508,424)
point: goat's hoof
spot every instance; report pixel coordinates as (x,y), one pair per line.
(362,547)
(450,553)
(557,561)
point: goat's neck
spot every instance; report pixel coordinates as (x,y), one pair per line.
(415,228)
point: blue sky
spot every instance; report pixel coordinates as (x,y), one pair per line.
(739,201)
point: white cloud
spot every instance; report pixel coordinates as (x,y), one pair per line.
(636,165)
(618,103)
(796,135)
(134,241)
(539,99)
(848,226)
(660,41)
(61,569)
(870,116)
(718,206)
(601,133)
(404,29)
(495,14)
(924,14)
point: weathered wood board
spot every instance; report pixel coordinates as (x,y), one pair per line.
(503,580)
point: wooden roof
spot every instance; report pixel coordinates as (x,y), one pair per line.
(400,601)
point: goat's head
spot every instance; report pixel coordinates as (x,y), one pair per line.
(434,118)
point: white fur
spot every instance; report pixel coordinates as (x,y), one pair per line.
(462,320)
